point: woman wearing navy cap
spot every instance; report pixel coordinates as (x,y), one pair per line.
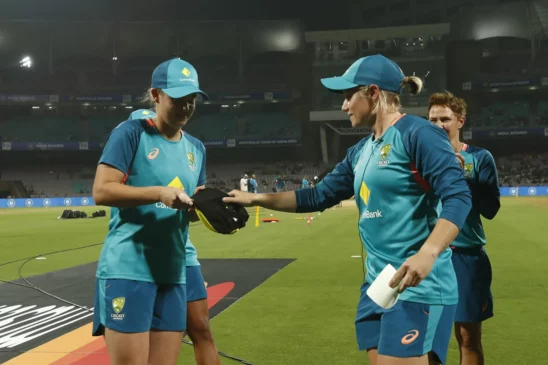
(396,175)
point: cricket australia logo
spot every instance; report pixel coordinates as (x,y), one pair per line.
(385,150)
(118,306)
(191,164)
(468,169)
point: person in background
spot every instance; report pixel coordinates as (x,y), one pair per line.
(244,183)
(197,308)
(305,184)
(398,175)
(279,184)
(472,265)
(253,186)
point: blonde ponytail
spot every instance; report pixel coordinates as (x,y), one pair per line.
(413,84)
(147,99)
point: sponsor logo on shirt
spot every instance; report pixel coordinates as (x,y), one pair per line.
(175,183)
(372,214)
(364,193)
(153,153)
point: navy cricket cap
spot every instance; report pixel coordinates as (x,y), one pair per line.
(177,78)
(377,69)
(142,114)
(217,215)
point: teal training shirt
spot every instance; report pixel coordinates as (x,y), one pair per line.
(481,175)
(147,243)
(191,254)
(396,181)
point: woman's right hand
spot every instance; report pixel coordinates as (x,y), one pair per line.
(175,198)
(241,197)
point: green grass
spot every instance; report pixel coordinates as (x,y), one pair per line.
(304,314)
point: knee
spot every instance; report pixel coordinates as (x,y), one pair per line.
(469,337)
(199,331)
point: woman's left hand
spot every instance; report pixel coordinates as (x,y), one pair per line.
(413,271)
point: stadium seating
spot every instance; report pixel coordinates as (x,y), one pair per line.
(205,127)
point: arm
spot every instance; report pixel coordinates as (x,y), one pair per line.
(336,186)
(429,147)
(283,202)
(437,163)
(486,196)
(109,187)
(109,190)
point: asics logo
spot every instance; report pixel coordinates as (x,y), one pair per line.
(153,154)
(410,337)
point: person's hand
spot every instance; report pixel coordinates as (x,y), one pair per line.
(460,158)
(413,271)
(192,210)
(175,198)
(240,197)
(202,187)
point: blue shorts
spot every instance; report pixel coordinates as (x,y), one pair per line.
(130,306)
(195,285)
(408,329)
(474,276)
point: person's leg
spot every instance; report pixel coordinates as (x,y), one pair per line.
(199,332)
(123,314)
(475,305)
(372,356)
(391,360)
(164,347)
(469,338)
(415,334)
(127,348)
(198,328)
(168,324)
(368,325)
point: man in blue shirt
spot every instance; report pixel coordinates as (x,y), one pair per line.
(253,186)
(470,260)
(279,184)
(146,172)
(397,175)
(305,184)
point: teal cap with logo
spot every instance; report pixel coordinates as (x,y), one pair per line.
(377,69)
(177,78)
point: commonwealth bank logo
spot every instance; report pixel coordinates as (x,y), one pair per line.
(176,183)
(364,193)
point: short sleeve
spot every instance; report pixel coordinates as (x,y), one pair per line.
(121,146)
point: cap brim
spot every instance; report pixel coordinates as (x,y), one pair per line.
(338,84)
(181,92)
